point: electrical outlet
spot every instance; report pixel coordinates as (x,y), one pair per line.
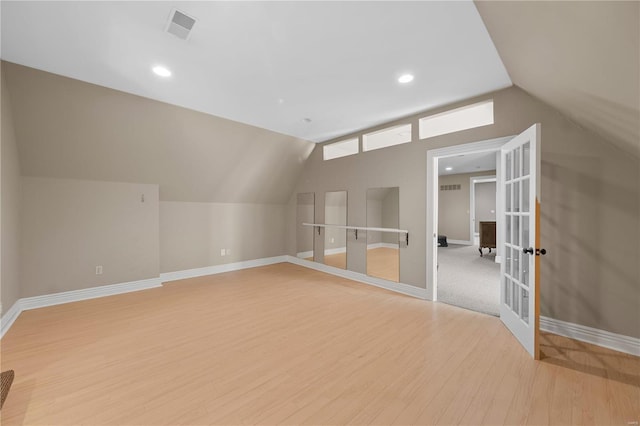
(223,252)
(99,270)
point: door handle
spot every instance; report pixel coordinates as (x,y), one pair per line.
(538,252)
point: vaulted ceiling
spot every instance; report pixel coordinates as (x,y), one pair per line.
(269,64)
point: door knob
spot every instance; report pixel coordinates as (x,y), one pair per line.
(527,250)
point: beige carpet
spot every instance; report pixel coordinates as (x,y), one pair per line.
(467,280)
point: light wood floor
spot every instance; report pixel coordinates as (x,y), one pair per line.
(285,344)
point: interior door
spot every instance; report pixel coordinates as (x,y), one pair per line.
(519,272)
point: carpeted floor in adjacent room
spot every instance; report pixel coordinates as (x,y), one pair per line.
(467,280)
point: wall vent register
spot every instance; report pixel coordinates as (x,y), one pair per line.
(450,187)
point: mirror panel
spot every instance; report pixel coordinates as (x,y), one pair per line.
(335,239)
(304,234)
(383,253)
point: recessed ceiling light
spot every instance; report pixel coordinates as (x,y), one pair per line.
(448,169)
(161,71)
(405,78)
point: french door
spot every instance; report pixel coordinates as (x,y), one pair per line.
(520,269)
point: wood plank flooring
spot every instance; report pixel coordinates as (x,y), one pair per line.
(285,344)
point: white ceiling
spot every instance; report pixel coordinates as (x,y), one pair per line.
(269,64)
(467,163)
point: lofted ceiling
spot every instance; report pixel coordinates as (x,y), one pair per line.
(581,57)
(313,70)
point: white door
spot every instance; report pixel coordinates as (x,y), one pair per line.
(519,272)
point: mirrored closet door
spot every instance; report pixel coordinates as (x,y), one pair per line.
(335,239)
(383,254)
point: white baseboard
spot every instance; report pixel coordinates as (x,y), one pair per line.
(407,289)
(218,269)
(35,302)
(304,254)
(382,245)
(337,250)
(606,339)
(460,242)
(9,317)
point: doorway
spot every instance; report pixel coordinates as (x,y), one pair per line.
(460,240)
(467,273)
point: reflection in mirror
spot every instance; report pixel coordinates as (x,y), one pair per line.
(335,239)
(304,234)
(383,254)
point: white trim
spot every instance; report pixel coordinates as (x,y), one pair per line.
(35,302)
(461,242)
(606,339)
(305,254)
(336,250)
(9,318)
(431,233)
(218,269)
(382,245)
(406,289)
(87,293)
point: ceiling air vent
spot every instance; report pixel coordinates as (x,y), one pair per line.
(180,24)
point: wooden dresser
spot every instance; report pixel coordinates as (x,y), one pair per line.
(487,236)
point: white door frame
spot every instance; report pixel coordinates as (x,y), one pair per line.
(433,155)
(472,202)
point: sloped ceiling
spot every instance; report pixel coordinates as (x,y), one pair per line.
(270,64)
(580,57)
(70,129)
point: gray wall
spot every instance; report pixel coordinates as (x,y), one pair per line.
(91,132)
(453,205)
(589,209)
(71,226)
(10,208)
(192,234)
(485,200)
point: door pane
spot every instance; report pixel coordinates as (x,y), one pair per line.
(525,269)
(515,264)
(507,201)
(525,306)
(525,195)
(507,236)
(507,263)
(516,163)
(515,296)
(526,151)
(509,165)
(516,197)
(516,231)
(507,291)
